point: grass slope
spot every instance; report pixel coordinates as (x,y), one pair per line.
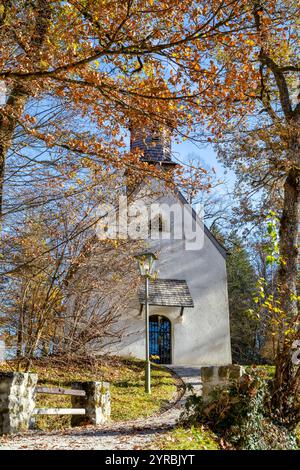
(194,438)
(126,376)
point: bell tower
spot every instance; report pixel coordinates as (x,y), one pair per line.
(155,145)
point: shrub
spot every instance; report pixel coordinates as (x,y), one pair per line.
(240,415)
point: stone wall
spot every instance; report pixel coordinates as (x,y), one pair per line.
(96,403)
(16,401)
(218,377)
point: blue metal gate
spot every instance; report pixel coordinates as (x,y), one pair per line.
(160,339)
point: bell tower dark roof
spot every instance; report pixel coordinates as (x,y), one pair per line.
(155,145)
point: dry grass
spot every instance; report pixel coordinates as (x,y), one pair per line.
(126,376)
(193,438)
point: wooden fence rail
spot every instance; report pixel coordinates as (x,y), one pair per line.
(59,411)
(59,391)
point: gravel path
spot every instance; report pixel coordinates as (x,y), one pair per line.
(125,435)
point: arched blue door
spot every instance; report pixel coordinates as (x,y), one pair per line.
(160,339)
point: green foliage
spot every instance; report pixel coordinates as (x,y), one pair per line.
(272,248)
(241,285)
(193,438)
(298,434)
(268,370)
(270,305)
(240,414)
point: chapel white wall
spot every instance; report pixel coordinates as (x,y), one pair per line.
(202,335)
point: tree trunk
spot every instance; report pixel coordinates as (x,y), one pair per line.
(12,111)
(20,334)
(9,116)
(289,229)
(286,384)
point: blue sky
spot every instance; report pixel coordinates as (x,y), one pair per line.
(187,149)
(183,150)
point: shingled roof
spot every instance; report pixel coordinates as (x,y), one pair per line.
(167,292)
(156,146)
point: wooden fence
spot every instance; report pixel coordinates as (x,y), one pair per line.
(90,402)
(59,411)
